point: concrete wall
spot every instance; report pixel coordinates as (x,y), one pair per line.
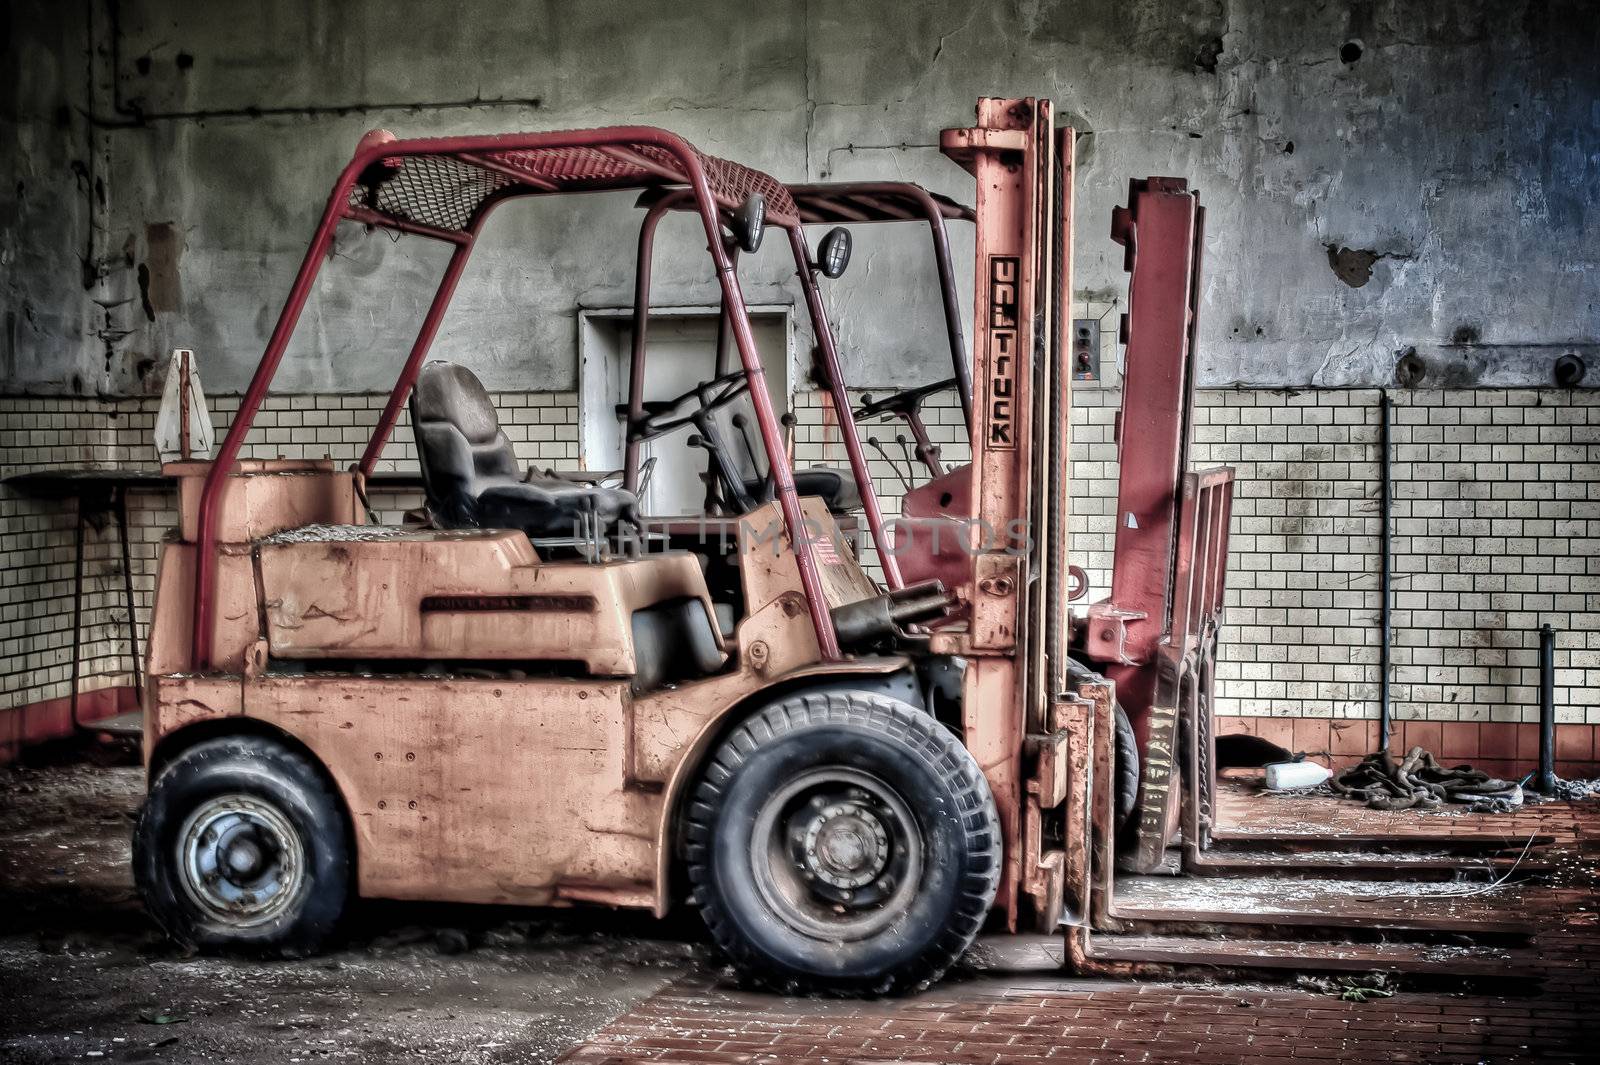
(1381,176)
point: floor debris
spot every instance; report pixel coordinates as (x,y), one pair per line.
(1419,781)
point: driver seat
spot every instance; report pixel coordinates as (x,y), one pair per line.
(836,488)
(471,476)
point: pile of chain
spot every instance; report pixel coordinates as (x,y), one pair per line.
(1419,781)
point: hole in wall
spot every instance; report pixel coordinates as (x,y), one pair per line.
(1409,369)
(1569,370)
(1351,51)
(1353,266)
(1206,56)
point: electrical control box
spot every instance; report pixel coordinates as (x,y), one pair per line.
(1085,349)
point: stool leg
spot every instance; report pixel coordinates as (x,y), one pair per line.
(121,509)
(77,614)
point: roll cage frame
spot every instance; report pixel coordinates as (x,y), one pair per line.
(444,188)
(820,203)
(850,202)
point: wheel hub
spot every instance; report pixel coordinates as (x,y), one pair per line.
(837,854)
(846,845)
(243,858)
(240,860)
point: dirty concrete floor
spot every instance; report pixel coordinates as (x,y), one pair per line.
(85,975)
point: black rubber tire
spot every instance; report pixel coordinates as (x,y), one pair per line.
(269,773)
(1126,769)
(1125,766)
(942,788)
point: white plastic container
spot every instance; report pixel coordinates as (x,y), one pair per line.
(1290,776)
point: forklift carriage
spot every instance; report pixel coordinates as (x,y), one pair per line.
(848,782)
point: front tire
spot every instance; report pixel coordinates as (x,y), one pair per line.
(242,844)
(843,843)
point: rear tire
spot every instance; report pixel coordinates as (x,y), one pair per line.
(843,843)
(1127,770)
(242,844)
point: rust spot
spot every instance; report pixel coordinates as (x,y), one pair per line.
(1465,334)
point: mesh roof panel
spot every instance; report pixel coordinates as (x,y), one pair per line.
(447,191)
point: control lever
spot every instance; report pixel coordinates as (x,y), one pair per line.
(788,423)
(742,425)
(905,449)
(872,442)
(708,476)
(721,474)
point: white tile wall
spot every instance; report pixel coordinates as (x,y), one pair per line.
(1497,529)
(37,535)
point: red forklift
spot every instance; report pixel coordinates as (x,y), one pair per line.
(532,700)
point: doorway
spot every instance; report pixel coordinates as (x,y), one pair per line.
(681,352)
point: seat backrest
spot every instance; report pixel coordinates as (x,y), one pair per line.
(460,445)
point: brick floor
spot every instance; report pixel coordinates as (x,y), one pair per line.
(985,1021)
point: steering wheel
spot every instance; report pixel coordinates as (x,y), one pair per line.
(663,416)
(901,402)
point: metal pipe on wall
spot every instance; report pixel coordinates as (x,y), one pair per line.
(1384,569)
(1547,710)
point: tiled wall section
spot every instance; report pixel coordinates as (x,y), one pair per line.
(1497,524)
(890,451)
(36,560)
(1496,531)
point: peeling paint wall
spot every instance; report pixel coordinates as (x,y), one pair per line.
(1383,179)
(52,181)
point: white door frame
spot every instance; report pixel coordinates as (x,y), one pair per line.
(600,432)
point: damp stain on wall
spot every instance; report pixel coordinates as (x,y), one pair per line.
(159,284)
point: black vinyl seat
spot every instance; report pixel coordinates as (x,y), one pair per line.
(470,471)
(836,488)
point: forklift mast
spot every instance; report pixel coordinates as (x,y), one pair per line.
(1027,718)
(1015,644)
(1155,634)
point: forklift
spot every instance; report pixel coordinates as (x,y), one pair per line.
(512,705)
(530,700)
